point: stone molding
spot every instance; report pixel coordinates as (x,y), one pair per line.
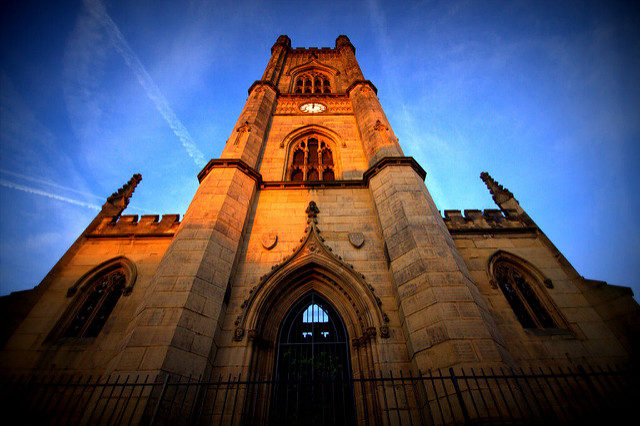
(262,83)
(393,161)
(131,272)
(130,226)
(313,252)
(518,262)
(356,183)
(337,104)
(228,163)
(486,221)
(362,82)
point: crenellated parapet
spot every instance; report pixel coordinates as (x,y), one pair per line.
(134,226)
(489,220)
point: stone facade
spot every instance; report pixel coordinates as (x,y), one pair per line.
(206,295)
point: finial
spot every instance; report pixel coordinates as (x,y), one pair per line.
(312,211)
(499,192)
(121,197)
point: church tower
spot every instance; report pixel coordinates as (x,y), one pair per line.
(313,194)
(312,247)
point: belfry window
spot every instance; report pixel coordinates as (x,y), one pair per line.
(97,302)
(518,288)
(312,82)
(311,159)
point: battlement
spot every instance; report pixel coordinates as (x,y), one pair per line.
(490,220)
(315,49)
(143,226)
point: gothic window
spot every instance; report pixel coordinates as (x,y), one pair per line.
(311,160)
(312,82)
(95,295)
(313,354)
(98,302)
(519,288)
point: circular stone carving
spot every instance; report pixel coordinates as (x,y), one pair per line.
(269,240)
(356,239)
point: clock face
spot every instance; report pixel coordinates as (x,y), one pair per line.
(312,108)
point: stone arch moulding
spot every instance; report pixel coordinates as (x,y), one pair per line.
(313,64)
(517,260)
(313,266)
(131,272)
(333,138)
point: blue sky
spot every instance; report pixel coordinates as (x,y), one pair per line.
(542,95)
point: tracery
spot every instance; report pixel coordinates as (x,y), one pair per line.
(311,160)
(312,82)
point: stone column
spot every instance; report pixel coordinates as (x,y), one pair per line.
(376,134)
(245,142)
(174,331)
(445,319)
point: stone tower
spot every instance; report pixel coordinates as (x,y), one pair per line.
(313,216)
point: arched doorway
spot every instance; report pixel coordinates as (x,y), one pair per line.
(312,371)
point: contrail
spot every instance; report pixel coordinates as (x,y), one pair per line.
(66,188)
(46,182)
(153,92)
(48,194)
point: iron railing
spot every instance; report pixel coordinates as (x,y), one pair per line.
(453,396)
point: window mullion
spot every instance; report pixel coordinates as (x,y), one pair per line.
(523,299)
(93,314)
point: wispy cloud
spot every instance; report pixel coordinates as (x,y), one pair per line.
(56,185)
(47,182)
(48,194)
(420,142)
(98,11)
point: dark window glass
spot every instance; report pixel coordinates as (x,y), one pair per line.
(297,175)
(328,174)
(311,160)
(313,366)
(522,298)
(98,304)
(327,158)
(313,152)
(312,174)
(298,157)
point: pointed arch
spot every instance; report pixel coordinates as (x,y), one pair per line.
(312,266)
(510,257)
(523,286)
(313,64)
(123,262)
(328,136)
(95,295)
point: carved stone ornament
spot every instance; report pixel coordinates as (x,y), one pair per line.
(356,239)
(312,210)
(314,246)
(269,240)
(384,331)
(380,127)
(238,333)
(245,127)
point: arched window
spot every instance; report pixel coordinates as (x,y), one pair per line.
(313,366)
(311,159)
(98,303)
(312,82)
(521,289)
(95,296)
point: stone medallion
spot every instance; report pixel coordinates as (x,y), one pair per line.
(356,239)
(269,240)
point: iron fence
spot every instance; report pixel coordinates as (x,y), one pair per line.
(453,396)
